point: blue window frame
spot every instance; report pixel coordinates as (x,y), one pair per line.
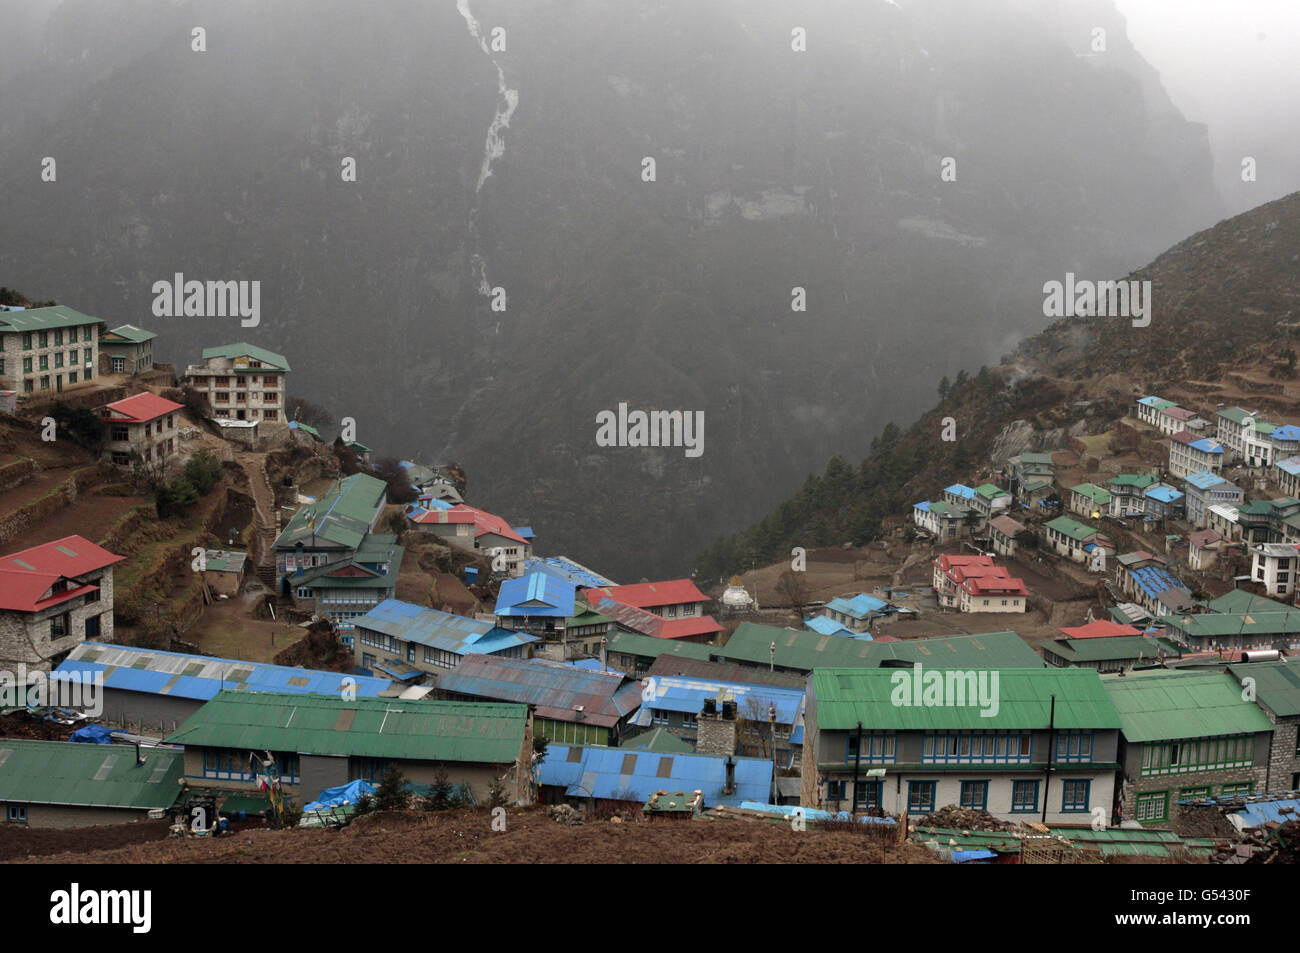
(16,813)
(867,796)
(975,795)
(878,747)
(969,747)
(369,769)
(920,797)
(1074,746)
(835,790)
(1024,797)
(1075,796)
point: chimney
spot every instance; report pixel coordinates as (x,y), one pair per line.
(729,787)
(138,760)
(716,731)
(604,656)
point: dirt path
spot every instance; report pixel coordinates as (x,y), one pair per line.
(261,541)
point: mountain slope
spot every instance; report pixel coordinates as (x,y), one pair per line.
(1223,299)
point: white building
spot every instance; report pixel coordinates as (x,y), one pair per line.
(1274,565)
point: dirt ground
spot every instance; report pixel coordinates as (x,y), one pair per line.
(19,725)
(467,837)
(90,515)
(228,630)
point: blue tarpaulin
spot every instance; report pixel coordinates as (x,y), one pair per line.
(93,734)
(348,793)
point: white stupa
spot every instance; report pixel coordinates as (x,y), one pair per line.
(735,596)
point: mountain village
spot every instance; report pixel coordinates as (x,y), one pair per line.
(213,616)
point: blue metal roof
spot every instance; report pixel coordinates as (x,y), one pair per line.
(525,531)
(1286,432)
(627,775)
(440,630)
(1204,480)
(537,594)
(682,693)
(1291,466)
(564,568)
(960,489)
(1154,580)
(1206,445)
(202,677)
(592,665)
(828,626)
(1163,494)
(861,606)
(1151,401)
(924,506)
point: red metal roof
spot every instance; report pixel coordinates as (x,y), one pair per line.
(1000,585)
(140,408)
(1101,629)
(488,523)
(27,575)
(645,595)
(947,562)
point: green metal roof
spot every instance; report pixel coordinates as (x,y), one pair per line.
(1099,495)
(1039,458)
(633,643)
(660,740)
(1277,685)
(366,727)
(1073,528)
(270,360)
(129,332)
(990,492)
(585,615)
(1112,648)
(804,650)
(1139,480)
(43,319)
(88,775)
(1235,414)
(886,699)
(1158,706)
(342,516)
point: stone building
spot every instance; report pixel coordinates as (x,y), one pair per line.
(47,350)
(52,598)
(1186,735)
(141,430)
(242,382)
(126,350)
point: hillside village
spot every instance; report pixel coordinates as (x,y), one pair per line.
(211,603)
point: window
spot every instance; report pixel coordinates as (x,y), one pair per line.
(689,720)
(59,626)
(44,362)
(27,340)
(16,813)
(877,746)
(920,797)
(27,365)
(28,386)
(835,790)
(369,769)
(1245,787)
(961,747)
(1198,754)
(72,376)
(58,337)
(1074,746)
(867,795)
(119,365)
(121,433)
(43,339)
(270,415)
(1153,806)
(1024,797)
(975,795)
(1074,798)
(1188,793)
(659,716)
(120,458)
